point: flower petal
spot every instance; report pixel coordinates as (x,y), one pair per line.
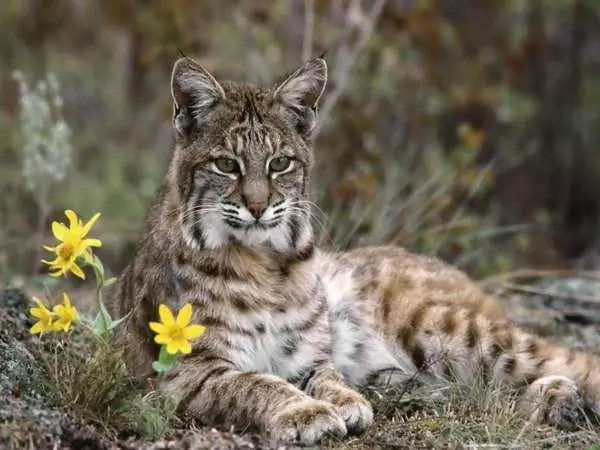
(162,339)
(67,300)
(53,262)
(77,271)
(59,230)
(88,226)
(185,347)
(172,347)
(73,220)
(50,249)
(36,312)
(39,303)
(38,327)
(193,331)
(184,316)
(165,314)
(158,327)
(91,243)
(40,313)
(65,325)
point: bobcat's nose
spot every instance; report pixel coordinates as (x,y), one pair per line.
(255,195)
(257,209)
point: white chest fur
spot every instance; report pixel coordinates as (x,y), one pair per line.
(278,347)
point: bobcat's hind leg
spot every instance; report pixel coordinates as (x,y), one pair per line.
(553,400)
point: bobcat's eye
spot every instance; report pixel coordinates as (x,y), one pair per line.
(226,165)
(280,164)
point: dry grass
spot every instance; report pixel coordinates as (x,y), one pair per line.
(89,379)
(95,385)
(477,416)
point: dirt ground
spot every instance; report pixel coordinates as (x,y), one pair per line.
(565,310)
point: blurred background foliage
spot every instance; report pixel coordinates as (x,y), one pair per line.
(459,128)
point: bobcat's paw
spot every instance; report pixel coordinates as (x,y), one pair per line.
(554,400)
(306,423)
(353,408)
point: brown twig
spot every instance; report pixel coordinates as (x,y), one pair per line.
(346,60)
(591,301)
(309,24)
(535,273)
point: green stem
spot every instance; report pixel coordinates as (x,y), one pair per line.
(89,327)
(99,286)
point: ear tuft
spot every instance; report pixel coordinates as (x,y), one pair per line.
(195,92)
(298,95)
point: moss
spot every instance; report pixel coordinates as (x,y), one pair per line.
(20,372)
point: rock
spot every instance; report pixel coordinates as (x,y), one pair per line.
(20,374)
(565,309)
(26,417)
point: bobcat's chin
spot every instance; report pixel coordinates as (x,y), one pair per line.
(274,236)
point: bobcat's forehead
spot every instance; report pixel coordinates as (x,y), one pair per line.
(248,139)
(245,128)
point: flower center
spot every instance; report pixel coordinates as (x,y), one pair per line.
(66,250)
(176,333)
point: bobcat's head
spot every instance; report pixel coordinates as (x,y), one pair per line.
(243,157)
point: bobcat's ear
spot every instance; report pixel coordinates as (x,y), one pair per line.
(195,92)
(297,97)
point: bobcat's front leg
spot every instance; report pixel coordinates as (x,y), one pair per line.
(325,383)
(214,392)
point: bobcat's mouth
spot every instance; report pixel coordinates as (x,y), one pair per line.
(250,226)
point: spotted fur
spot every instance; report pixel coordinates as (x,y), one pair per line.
(293,333)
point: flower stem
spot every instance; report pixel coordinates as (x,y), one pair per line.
(99,286)
(98,337)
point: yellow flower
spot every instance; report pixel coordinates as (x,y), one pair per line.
(44,316)
(72,246)
(176,334)
(66,314)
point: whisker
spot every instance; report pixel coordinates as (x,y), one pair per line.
(305,210)
(321,217)
(203,205)
(201,217)
(301,213)
(199,209)
(310,203)
(196,222)
(321,221)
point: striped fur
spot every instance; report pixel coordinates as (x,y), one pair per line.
(293,333)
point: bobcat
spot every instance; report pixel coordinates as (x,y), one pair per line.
(293,332)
